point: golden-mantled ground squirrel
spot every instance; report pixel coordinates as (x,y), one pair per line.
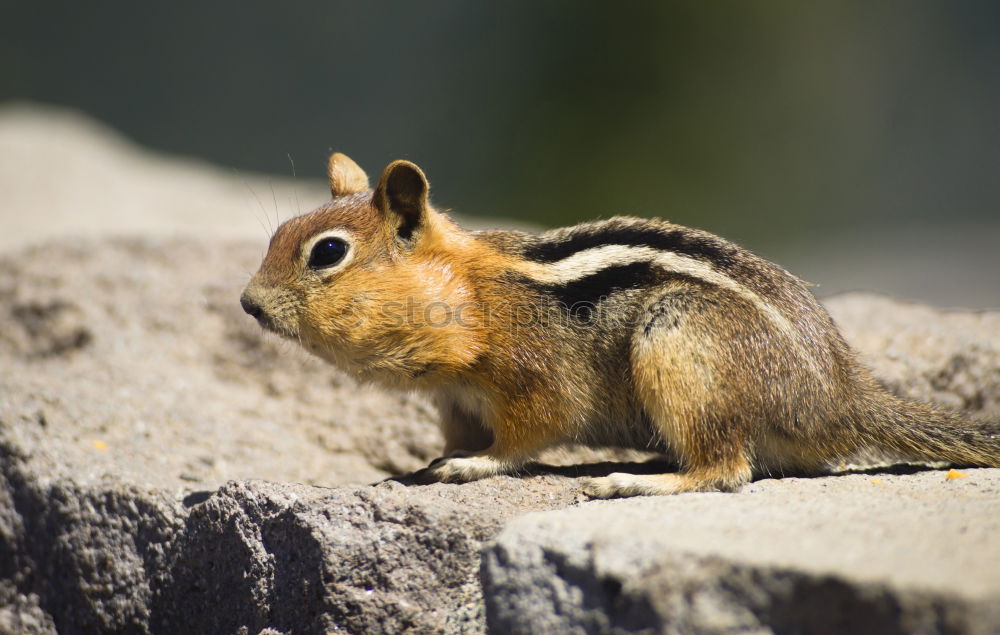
(625,332)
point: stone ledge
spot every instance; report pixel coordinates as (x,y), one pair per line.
(131,498)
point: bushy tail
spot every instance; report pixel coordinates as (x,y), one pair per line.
(924,433)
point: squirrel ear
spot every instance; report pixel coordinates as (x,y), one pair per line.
(402,191)
(346,177)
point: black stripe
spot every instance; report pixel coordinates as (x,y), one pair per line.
(592,288)
(677,240)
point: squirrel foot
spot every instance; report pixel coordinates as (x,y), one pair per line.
(462,467)
(620,484)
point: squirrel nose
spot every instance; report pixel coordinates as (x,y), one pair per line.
(251,307)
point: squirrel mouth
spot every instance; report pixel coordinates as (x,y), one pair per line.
(266,321)
(268,324)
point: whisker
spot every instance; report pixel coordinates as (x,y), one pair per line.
(274,197)
(295,183)
(259,204)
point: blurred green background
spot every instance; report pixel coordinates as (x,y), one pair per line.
(782,125)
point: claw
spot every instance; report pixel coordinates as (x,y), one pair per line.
(436,462)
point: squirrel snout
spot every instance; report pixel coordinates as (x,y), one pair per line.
(263,305)
(260,304)
(251,307)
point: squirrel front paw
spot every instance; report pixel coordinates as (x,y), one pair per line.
(460,467)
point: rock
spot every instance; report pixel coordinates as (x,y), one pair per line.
(382,559)
(881,553)
(137,361)
(948,357)
(167,467)
(252,555)
(132,496)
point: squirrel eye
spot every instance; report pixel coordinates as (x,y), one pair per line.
(327,252)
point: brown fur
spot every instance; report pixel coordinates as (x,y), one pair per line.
(691,345)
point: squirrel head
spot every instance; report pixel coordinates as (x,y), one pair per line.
(370,281)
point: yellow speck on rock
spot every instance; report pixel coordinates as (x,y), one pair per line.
(99,445)
(953,474)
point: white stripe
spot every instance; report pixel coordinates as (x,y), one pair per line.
(589,261)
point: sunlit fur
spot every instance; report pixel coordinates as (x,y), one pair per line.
(694,347)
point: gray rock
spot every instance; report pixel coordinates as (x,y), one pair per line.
(881,553)
(166,467)
(951,358)
(252,555)
(153,442)
(90,556)
(383,559)
(21,613)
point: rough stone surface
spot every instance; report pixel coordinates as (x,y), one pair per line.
(948,357)
(382,559)
(137,361)
(878,552)
(166,467)
(252,555)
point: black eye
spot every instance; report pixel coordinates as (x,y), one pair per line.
(327,252)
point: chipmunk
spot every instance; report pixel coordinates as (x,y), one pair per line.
(625,332)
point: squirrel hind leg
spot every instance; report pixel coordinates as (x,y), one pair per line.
(677,361)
